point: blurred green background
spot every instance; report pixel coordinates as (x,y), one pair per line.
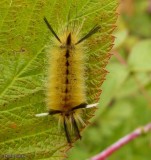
(125,103)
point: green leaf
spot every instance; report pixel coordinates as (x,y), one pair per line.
(114,81)
(23,67)
(140,57)
(133,85)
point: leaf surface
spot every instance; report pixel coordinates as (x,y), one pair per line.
(23,68)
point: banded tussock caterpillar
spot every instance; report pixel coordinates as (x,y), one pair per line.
(66,91)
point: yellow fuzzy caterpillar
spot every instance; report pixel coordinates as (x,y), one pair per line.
(66,88)
(66,92)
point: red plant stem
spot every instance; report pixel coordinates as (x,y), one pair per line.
(121,142)
(119,58)
(149,6)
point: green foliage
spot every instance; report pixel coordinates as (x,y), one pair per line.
(143,61)
(23,68)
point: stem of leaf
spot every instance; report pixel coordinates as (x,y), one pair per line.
(121,142)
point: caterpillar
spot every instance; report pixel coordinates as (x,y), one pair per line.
(66,95)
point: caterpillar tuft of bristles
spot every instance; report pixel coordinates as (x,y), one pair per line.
(66,92)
